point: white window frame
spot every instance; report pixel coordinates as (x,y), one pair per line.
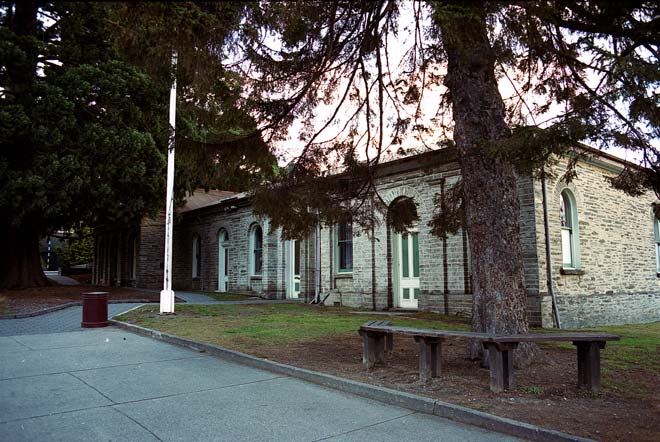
(570,238)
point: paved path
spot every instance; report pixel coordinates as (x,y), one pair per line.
(65,320)
(62,280)
(69,319)
(108,384)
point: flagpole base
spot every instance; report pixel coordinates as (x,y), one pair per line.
(167,302)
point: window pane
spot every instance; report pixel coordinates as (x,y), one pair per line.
(226,253)
(257,250)
(345,246)
(416,294)
(566,247)
(346,255)
(415,252)
(196,256)
(257,261)
(296,258)
(405,273)
(345,232)
(565,211)
(258,238)
(406,293)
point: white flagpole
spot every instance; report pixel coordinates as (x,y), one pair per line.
(167,295)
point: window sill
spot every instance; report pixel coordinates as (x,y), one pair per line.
(569,271)
(345,275)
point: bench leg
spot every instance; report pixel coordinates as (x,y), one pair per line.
(500,363)
(389,343)
(430,357)
(588,361)
(373,348)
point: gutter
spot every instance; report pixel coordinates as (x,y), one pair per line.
(548,256)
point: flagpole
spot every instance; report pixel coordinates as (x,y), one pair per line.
(167,295)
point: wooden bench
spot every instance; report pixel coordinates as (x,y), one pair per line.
(588,345)
(377,337)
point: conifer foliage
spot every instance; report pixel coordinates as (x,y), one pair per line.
(83,117)
(590,67)
(77,132)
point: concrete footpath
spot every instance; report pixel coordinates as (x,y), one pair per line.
(108,384)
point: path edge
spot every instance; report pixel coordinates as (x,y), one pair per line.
(75,304)
(389,396)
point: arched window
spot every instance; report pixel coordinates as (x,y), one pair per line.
(196,256)
(344,247)
(256,247)
(569,230)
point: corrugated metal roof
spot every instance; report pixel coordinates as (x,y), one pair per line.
(201,198)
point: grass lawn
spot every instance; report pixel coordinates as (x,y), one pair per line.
(220,296)
(246,327)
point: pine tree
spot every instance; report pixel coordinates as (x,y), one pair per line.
(77,131)
(596,60)
(83,118)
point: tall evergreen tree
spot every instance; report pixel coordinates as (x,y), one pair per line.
(77,134)
(596,60)
(83,117)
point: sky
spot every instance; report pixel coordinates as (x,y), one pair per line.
(287,150)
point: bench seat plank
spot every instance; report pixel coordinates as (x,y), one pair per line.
(554,337)
(411,331)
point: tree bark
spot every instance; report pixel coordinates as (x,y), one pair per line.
(20,262)
(490,193)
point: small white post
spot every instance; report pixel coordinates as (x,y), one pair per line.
(167,295)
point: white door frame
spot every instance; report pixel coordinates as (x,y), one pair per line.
(400,283)
(292,280)
(223,261)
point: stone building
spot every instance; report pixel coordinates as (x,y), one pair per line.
(604,249)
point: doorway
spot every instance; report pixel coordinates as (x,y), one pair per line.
(292,251)
(406,269)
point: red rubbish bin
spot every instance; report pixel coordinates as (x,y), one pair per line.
(95,309)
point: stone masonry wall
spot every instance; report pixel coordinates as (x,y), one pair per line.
(238,222)
(616,250)
(151,252)
(619,283)
(444,264)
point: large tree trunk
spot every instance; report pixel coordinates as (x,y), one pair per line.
(490,193)
(19,258)
(20,263)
